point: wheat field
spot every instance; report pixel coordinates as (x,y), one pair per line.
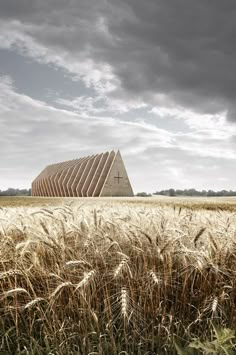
(115,276)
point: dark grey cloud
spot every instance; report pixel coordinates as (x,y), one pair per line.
(184,49)
(14,8)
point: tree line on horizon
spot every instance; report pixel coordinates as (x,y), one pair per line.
(169,192)
(190,192)
(15,192)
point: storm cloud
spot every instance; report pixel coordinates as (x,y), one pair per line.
(161,52)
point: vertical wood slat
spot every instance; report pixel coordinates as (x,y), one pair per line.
(73,175)
(50,186)
(67,177)
(99,172)
(83,176)
(55,169)
(35,183)
(62,176)
(57,177)
(78,176)
(106,171)
(41,186)
(90,175)
(94,178)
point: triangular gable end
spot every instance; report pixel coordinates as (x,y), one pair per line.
(117,182)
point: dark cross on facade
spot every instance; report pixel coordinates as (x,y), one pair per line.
(118,177)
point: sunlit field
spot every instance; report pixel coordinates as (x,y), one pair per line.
(117,276)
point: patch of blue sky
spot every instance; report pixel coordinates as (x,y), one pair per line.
(145,115)
(38,80)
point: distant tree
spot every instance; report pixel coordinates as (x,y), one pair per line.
(211,193)
(172,192)
(143,194)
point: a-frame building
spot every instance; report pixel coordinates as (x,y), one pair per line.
(98,175)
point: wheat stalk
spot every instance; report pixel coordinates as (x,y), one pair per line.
(119,268)
(60,287)
(124,302)
(198,235)
(14,291)
(214,304)
(85,281)
(10,273)
(32,303)
(154,277)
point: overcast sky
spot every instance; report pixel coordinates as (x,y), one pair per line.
(154,78)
